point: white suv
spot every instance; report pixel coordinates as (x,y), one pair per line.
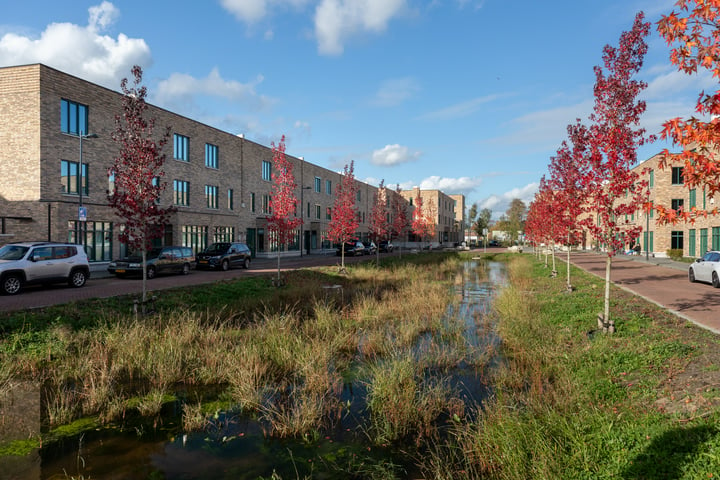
(42,262)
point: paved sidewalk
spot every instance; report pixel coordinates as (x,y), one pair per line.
(661,281)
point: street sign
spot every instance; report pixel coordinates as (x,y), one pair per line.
(82,214)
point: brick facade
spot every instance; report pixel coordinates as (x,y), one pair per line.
(34,206)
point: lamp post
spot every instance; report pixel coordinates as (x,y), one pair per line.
(302,217)
(647,235)
(82,215)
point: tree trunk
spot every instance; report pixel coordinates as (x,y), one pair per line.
(609,326)
(278,266)
(569,285)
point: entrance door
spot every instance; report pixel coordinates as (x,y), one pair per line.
(250,240)
(306,241)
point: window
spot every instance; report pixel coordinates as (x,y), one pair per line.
(211,196)
(308,209)
(703,241)
(266,170)
(211,155)
(677,204)
(691,242)
(69,180)
(252,202)
(318,182)
(677,175)
(73,117)
(224,234)
(231,200)
(359,196)
(96,236)
(716,238)
(651,180)
(328,213)
(317,212)
(194,236)
(676,239)
(182,192)
(652,209)
(266,204)
(181,149)
(111,182)
(693,198)
(328,187)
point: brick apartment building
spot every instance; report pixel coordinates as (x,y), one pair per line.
(56,149)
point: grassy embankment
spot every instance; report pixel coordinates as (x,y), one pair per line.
(567,403)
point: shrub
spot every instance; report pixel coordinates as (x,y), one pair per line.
(675,253)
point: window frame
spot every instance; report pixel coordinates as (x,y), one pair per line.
(677,176)
(267,170)
(212,156)
(181,147)
(211,197)
(81,180)
(73,117)
(181,196)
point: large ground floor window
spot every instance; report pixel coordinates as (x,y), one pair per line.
(224,234)
(96,237)
(676,239)
(194,236)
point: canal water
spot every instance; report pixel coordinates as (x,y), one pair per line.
(235,447)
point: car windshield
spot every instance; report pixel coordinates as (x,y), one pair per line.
(12,252)
(217,248)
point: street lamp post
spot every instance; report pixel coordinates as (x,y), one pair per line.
(647,235)
(82,215)
(302,217)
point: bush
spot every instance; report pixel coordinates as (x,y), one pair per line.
(675,253)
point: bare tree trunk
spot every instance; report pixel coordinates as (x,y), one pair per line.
(608,325)
(569,285)
(278,266)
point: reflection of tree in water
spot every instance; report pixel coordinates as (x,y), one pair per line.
(667,454)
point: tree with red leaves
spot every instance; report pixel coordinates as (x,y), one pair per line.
(344,222)
(419,224)
(283,221)
(379,224)
(696,33)
(613,189)
(399,222)
(566,175)
(137,173)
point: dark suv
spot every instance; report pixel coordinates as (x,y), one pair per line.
(224,256)
(170,259)
(42,262)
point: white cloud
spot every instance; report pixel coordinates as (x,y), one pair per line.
(338,20)
(463,185)
(80,50)
(180,88)
(395,91)
(393,155)
(252,11)
(500,203)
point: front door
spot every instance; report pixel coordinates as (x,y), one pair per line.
(250,240)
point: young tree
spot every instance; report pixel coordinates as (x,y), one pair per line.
(514,219)
(614,191)
(696,33)
(283,221)
(137,172)
(344,222)
(399,223)
(379,225)
(566,172)
(419,222)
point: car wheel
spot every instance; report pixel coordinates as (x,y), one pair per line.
(715,280)
(225,266)
(77,278)
(185,269)
(11,284)
(150,273)
(246,263)
(691,276)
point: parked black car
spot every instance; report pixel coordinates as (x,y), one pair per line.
(224,256)
(172,259)
(352,248)
(385,246)
(369,248)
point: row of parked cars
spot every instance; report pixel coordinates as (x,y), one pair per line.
(356,247)
(175,259)
(45,263)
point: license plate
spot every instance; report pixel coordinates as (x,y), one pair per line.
(119,271)
(202,261)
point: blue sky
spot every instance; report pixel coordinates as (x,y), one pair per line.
(468,96)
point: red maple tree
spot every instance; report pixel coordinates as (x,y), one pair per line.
(695,31)
(137,173)
(344,222)
(283,221)
(379,225)
(418,219)
(399,221)
(613,189)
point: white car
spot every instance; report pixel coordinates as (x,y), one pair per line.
(706,269)
(42,262)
